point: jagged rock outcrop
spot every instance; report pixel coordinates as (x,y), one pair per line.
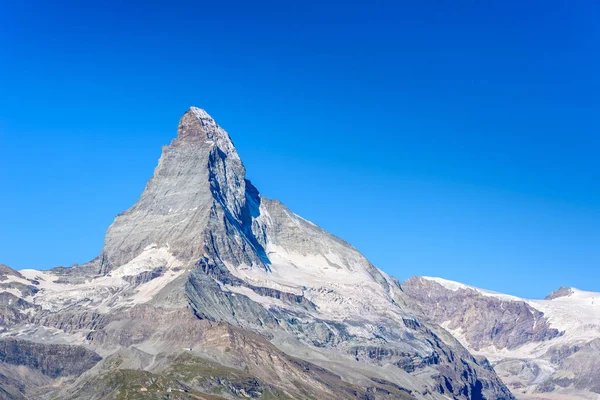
(560,292)
(15,291)
(14,310)
(203,265)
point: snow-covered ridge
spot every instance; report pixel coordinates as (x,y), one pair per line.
(339,288)
(575,293)
(152,257)
(576,314)
(106,292)
(454,286)
(15,279)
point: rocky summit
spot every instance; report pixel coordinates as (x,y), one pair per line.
(207,290)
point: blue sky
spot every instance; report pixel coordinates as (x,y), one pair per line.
(446,138)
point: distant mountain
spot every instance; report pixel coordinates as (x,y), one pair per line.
(542,349)
(205,290)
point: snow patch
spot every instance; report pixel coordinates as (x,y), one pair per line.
(339,284)
(151,258)
(106,292)
(455,286)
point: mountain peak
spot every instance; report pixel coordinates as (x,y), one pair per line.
(196,123)
(202,248)
(200,169)
(199,112)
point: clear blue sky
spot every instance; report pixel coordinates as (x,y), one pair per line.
(447,138)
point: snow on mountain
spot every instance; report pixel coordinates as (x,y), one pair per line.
(537,346)
(577,314)
(454,286)
(255,301)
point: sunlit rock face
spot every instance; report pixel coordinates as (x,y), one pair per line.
(256,301)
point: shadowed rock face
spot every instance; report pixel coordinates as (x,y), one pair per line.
(26,366)
(53,360)
(202,264)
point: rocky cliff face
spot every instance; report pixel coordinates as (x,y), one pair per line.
(489,320)
(258,301)
(540,348)
(53,360)
(25,366)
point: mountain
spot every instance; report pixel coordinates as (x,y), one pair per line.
(205,289)
(542,349)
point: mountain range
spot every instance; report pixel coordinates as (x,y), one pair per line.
(541,349)
(205,289)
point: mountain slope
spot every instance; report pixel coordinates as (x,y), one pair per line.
(258,301)
(541,348)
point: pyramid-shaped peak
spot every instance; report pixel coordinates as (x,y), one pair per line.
(199,167)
